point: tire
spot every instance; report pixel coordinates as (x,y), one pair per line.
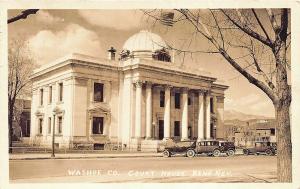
(269,152)
(216,153)
(166,153)
(230,152)
(190,153)
(246,152)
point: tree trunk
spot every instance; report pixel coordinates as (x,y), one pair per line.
(10,127)
(284,144)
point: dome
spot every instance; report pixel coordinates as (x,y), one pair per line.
(144,41)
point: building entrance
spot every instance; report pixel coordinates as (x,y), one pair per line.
(161,129)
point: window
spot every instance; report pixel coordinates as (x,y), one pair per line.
(97,125)
(61,92)
(272,131)
(177,100)
(40,126)
(49,125)
(176,128)
(59,125)
(50,95)
(211,105)
(41,96)
(162,99)
(98,92)
(162,55)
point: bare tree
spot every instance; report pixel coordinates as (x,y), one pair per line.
(256,43)
(20,66)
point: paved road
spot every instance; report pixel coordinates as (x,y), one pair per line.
(151,169)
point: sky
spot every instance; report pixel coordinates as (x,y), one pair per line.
(51,34)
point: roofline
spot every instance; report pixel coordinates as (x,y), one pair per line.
(220,86)
(76,58)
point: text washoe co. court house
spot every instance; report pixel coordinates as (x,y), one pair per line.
(137,100)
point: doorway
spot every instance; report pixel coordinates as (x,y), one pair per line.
(160,129)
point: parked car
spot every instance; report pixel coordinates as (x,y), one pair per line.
(181,147)
(208,147)
(213,148)
(268,148)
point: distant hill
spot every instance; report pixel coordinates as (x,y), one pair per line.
(236,115)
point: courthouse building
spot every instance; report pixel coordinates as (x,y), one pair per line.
(137,99)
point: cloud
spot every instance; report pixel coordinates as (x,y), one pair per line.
(47,45)
(45,17)
(117,19)
(251,104)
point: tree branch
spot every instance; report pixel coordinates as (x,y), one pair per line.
(261,25)
(249,31)
(249,77)
(24,14)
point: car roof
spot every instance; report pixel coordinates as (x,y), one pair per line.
(206,140)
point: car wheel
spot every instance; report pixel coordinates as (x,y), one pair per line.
(246,152)
(269,152)
(230,153)
(216,153)
(190,153)
(166,153)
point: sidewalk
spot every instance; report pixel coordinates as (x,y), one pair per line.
(31,156)
(113,154)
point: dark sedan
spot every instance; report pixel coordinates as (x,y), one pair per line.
(267,148)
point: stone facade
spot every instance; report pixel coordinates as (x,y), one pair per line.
(136,101)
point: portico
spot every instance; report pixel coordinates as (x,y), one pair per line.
(202,116)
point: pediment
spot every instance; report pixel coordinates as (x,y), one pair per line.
(39,113)
(58,110)
(99,108)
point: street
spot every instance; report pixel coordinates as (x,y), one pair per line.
(146,169)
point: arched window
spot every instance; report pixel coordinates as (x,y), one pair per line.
(162,55)
(124,54)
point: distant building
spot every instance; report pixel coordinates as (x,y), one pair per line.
(21,120)
(137,101)
(245,133)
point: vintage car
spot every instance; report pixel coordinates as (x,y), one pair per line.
(213,148)
(172,148)
(268,148)
(208,147)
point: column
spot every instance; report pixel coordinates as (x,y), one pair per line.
(184,119)
(201,116)
(208,129)
(167,113)
(138,109)
(106,123)
(90,127)
(215,113)
(148,110)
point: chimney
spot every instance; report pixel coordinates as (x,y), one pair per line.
(111,53)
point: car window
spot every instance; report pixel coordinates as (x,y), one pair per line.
(258,144)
